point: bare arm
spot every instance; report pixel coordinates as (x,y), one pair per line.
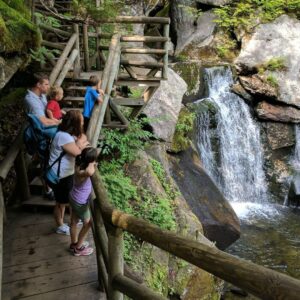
(50,115)
(48,122)
(72,149)
(88,172)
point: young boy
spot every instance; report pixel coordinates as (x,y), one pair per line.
(93,94)
(53,110)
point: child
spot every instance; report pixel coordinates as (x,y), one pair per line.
(53,110)
(79,197)
(92,95)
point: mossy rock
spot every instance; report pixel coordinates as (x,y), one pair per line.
(17,32)
(183,130)
(191,73)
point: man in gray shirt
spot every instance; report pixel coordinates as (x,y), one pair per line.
(36,102)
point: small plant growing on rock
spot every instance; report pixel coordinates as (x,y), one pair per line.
(272,80)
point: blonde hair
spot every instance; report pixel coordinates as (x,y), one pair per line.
(54,91)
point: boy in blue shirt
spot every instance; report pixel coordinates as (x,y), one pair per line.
(93,94)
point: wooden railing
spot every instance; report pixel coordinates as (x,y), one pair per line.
(14,158)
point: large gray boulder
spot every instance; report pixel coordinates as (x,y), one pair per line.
(164,106)
(188,29)
(279,39)
(219,221)
(278,113)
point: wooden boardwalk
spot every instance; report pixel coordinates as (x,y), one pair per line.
(37,263)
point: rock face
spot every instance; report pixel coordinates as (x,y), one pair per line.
(257,86)
(189,29)
(279,39)
(164,106)
(185,280)
(286,114)
(214,2)
(278,141)
(218,219)
(192,74)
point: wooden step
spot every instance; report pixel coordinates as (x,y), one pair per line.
(39,201)
(130,102)
(139,81)
(76,88)
(144,64)
(36,186)
(128,50)
(73,98)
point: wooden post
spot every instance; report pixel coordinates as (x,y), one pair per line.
(86,48)
(2,209)
(165,68)
(66,67)
(22,178)
(62,59)
(116,265)
(77,67)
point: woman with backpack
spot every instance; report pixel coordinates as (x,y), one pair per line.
(68,142)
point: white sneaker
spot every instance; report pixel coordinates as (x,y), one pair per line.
(63,229)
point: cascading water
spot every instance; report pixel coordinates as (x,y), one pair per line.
(239,171)
(228,140)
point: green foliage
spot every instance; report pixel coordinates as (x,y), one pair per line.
(271,79)
(40,54)
(161,175)
(136,92)
(191,11)
(17,33)
(47,20)
(183,130)
(247,13)
(224,49)
(274,64)
(123,147)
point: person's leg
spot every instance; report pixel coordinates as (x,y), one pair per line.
(73,231)
(83,233)
(59,213)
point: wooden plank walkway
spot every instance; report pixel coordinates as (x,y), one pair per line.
(38,265)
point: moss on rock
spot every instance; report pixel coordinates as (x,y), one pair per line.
(183,130)
(17,32)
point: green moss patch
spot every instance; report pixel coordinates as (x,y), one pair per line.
(17,32)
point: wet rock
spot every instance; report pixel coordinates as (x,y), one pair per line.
(158,266)
(278,40)
(218,219)
(278,141)
(294,191)
(191,72)
(257,86)
(164,106)
(286,114)
(238,89)
(189,29)
(214,2)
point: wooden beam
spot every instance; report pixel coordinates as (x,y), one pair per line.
(55,30)
(137,63)
(129,82)
(165,68)
(259,281)
(8,161)
(116,261)
(2,210)
(77,66)
(61,61)
(66,68)
(136,20)
(22,178)
(137,50)
(135,38)
(134,290)
(58,46)
(116,110)
(86,47)
(128,101)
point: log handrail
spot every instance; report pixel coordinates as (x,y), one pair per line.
(266,284)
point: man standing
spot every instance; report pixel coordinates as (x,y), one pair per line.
(36,101)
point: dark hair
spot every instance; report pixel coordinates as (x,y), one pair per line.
(38,78)
(87,156)
(94,80)
(71,123)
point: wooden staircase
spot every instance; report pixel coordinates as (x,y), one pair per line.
(139,67)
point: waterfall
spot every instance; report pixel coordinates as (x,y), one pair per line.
(235,163)
(296,158)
